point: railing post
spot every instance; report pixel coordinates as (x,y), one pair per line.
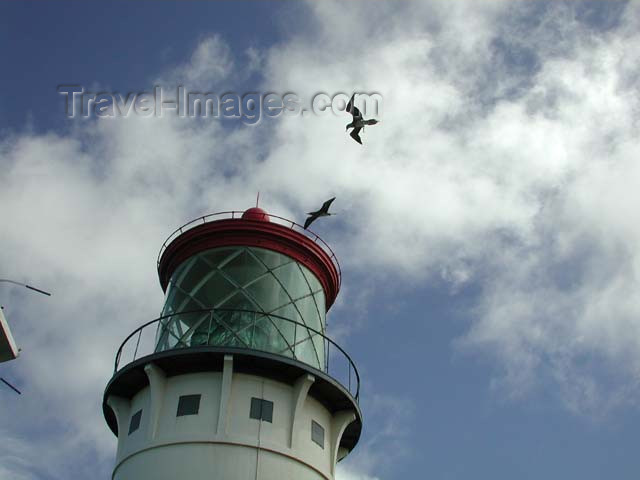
(325,345)
(295,337)
(135,353)
(210,325)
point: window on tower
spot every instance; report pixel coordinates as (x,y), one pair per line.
(188,405)
(243,283)
(135,422)
(317,433)
(261,409)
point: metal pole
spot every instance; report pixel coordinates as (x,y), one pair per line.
(10,386)
(25,285)
(135,354)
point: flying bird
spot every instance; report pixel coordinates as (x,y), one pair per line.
(358,122)
(323,212)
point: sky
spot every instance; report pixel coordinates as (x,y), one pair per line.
(486,229)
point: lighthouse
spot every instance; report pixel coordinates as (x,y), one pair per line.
(237,379)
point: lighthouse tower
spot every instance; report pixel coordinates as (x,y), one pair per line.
(237,379)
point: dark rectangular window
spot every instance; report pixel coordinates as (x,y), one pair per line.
(135,421)
(267,411)
(317,433)
(256,409)
(188,405)
(261,409)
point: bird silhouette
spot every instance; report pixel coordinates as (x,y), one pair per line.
(358,123)
(322,212)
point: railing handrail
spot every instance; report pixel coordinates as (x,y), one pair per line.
(211,310)
(237,214)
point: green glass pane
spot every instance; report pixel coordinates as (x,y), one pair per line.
(216,290)
(287,311)
(266,336)
(292,280)
(182,268)
(176,327)
(219,334)
(234,341)
(225,327)
(319,344)
(218,256)
(312,280)
(170,336)
(309,311)
(170,294)
(201,333)
(305,352)
(239,301)
(185,304)
(239,323)
(194,275)
(269,258)
(243,268)
(191,304)
(267,293)
(321,302)
(283,336)
(162,340)
(174,301)
(260,332)
(194,320)
(301,335)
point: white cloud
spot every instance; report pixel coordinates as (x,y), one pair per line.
(210,63)
(524,190)
(566,292)
(255,59)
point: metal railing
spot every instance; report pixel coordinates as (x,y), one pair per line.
(236,214)
(145,340)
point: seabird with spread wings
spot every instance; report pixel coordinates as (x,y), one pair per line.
(358,122)
(323,212)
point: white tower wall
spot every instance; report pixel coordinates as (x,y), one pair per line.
(222,441)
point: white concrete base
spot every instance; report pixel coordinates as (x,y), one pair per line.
(213,461)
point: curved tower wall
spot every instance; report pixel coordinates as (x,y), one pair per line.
(222,441)
(253,292)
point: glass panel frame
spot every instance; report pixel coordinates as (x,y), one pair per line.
(243,288)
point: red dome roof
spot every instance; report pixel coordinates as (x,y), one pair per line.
(253,229)
(256,213)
